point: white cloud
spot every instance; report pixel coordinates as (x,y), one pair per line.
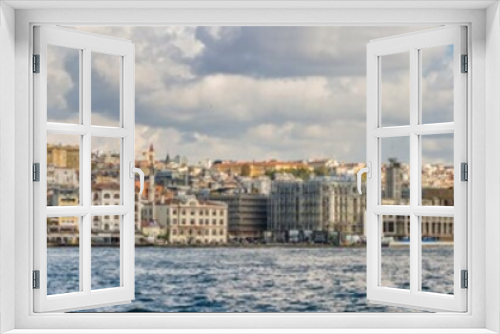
(252,93)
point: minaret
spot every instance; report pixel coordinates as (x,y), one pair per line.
(151,163)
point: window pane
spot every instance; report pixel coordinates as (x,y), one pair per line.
(63,255)
(395,89)
(395,170)
(105,252)
(105,171)
(395,252)
(63,85)
(437,84)
(106,76)
(437,254)
(437,170)
(63,170)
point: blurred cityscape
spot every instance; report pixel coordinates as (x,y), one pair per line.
(241,202)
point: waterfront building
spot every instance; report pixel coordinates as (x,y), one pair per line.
(349,206)
(247,215)
(432,227)
(438,196)
(440,228)
(151,229)
(187,220)
(299,208)
(324,204)
(63,230)
(106,194)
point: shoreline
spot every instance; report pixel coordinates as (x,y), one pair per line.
(261,246)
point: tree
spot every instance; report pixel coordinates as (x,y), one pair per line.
(321,171)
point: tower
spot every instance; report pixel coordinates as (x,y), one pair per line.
(393,182)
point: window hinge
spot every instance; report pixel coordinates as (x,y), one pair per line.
(464,172)
(36,172)
(465,279)
(465,64)
(36,63)
(36,279)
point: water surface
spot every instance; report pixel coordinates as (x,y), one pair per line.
(249,279)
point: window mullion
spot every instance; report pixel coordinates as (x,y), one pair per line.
(85,260)
(414,170)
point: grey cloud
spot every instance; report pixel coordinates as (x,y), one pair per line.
(289,51)
(215,97)
(105,92)
(71,63)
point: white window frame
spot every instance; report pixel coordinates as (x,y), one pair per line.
(86,45)
(412,45)
(483,314)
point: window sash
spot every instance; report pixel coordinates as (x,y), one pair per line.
(412,43)
(86,44)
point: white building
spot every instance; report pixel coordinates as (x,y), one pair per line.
(190,221)
(106,194)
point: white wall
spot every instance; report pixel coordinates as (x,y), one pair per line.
(7,159)
(493,164)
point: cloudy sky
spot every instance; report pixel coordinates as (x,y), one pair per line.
(254,93)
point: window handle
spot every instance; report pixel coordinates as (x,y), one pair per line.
(134,170)
(368,171)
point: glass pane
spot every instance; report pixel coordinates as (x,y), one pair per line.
(63,170)
(63,85)
(105,252)
(437,254)
(395,89)
(395,252)
(105,171)
(437,170)
(106,77)
(63,255)
(395,170)
(437,84)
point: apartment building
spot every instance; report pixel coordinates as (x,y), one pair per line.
(348,205)
(297,207)
(247,215)
(323,204)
